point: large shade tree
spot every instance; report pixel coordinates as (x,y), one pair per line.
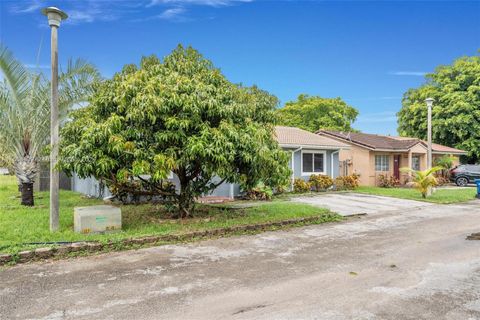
(178,115)
(313,113)
(456,110)
(25,112)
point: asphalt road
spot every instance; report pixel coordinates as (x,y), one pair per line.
(407,264)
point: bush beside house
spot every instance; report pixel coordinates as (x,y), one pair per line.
(319,183)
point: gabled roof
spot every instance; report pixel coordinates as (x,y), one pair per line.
(385,143)
(296,137)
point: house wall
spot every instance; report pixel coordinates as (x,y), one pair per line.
(336,164)
(91,187)
(374,175)
(362,162)
(228,190)
(357,160)
(328,163)
(42,181)
(420,150)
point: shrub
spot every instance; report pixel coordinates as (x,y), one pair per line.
(301,186)
(260,192)
(347,182)
(442,180)
(445,163)
(386,181)
(423,180)
(280,189)
(320,182)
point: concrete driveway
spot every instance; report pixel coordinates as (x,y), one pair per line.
(410,264)
(347,204)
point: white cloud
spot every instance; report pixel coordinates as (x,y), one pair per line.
(76,16)
(28,7)
(171,14)
(211,3)
(90,11)
(408,73)
(81,11)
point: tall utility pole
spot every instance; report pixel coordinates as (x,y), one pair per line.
(55,16)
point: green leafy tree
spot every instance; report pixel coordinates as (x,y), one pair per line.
(25,113)
(313,113)
(181,115)
(456,110)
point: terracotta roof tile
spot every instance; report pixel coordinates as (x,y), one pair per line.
(299,137)
(380,142)
(436,147)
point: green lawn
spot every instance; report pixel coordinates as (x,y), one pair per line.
(444,196)
(20,225)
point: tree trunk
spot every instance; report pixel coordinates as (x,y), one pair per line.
(27,194)
(185,199)
(185,204)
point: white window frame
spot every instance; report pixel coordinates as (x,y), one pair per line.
(313,162)
(382,164)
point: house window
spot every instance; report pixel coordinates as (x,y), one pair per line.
(382,163)
(416,163)
(313,162)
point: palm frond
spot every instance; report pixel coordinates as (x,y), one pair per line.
(423,180)
(25,108)
(76,84)
(14,73)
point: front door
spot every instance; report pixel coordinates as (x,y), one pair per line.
(396,166)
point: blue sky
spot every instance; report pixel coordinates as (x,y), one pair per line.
(366,52)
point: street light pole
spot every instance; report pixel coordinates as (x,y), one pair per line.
(429,102)
(55,16)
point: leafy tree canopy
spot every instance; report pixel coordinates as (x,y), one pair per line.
(181,115)
(313,113)
(456,110)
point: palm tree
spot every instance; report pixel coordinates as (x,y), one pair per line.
(423,180)
(446,163)
(25,112)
